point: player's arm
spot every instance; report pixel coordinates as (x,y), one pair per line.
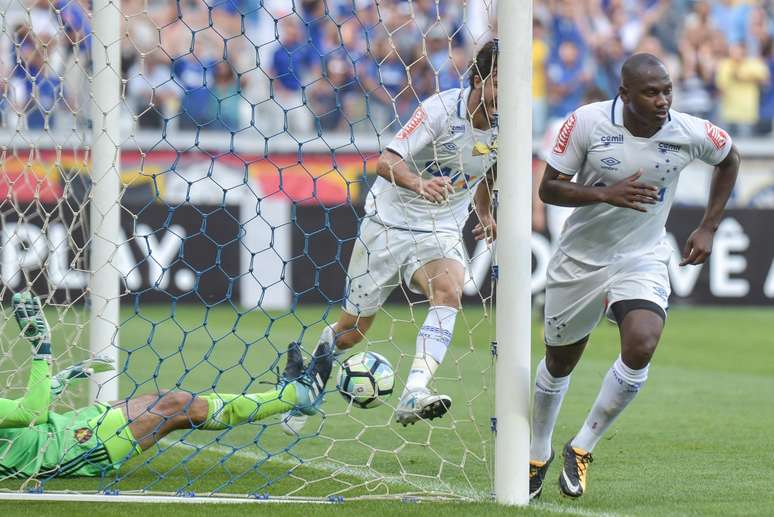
(699,244)
(487,226)
(557,189)
(393,168)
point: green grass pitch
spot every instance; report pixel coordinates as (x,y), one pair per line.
(695,442)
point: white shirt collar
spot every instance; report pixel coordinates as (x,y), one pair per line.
(462,103)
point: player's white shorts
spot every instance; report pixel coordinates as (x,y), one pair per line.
(579,295)
(383,256)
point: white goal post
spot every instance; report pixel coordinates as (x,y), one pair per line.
(105,202)
(512,373)
(463,455)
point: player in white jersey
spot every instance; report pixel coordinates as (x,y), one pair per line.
(440,163)
(626,155)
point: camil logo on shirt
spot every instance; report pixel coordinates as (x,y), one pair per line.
(563,138)
(611,139)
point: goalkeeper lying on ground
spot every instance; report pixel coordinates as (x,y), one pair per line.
(36,442)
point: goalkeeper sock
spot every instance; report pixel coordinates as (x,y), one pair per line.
(227,410)
(619,387)
(33,407)
(549,393)
(432,342)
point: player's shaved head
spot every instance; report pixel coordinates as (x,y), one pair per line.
(646,91)
(641,67)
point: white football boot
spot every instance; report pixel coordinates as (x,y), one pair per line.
(421,404)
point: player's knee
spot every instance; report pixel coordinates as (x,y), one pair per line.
(561,360)
(447,294)
(639,346)
(559,366)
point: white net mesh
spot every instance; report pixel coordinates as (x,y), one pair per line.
(250,135)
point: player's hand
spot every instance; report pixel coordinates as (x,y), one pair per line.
(698,247)
(630,193)
(436,189)
(486,228)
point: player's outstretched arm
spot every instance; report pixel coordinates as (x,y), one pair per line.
(699,244)
(557,189)
(32,408)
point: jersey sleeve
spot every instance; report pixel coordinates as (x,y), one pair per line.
(422,129)
(571,144)
(712,143)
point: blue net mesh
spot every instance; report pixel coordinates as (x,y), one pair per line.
(250,133)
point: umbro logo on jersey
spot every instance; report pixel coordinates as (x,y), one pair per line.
(611,139)
(664,147)
(457,129)
(450,146)
(610,163)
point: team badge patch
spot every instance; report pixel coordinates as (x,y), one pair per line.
(563,138)
(416,119)
(717,136)
(83,435)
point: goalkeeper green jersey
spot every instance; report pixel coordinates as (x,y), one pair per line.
(66,445)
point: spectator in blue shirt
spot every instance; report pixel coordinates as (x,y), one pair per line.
(195,76)
(294,61)
(567,80)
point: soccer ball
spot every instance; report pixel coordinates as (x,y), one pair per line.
(366,379)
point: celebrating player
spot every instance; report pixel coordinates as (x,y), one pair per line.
(612,257)
(439,163)
(98,438)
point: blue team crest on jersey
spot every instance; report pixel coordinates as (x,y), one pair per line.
(610,163)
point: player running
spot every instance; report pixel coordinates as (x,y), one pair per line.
(612,258)
(438,164)
(93,440)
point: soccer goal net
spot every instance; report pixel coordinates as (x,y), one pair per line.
(183,183)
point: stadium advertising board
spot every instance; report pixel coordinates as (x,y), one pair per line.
(739,272)
(194,229)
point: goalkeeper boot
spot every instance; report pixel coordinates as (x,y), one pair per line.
(537,473)
(294,420)
(311,385)
(83,370)
(28,312)
(420,404)
(572,481)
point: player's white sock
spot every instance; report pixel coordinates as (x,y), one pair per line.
(549,393)
(619,387)
(432,342)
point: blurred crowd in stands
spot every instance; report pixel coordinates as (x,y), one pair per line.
(315,66)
